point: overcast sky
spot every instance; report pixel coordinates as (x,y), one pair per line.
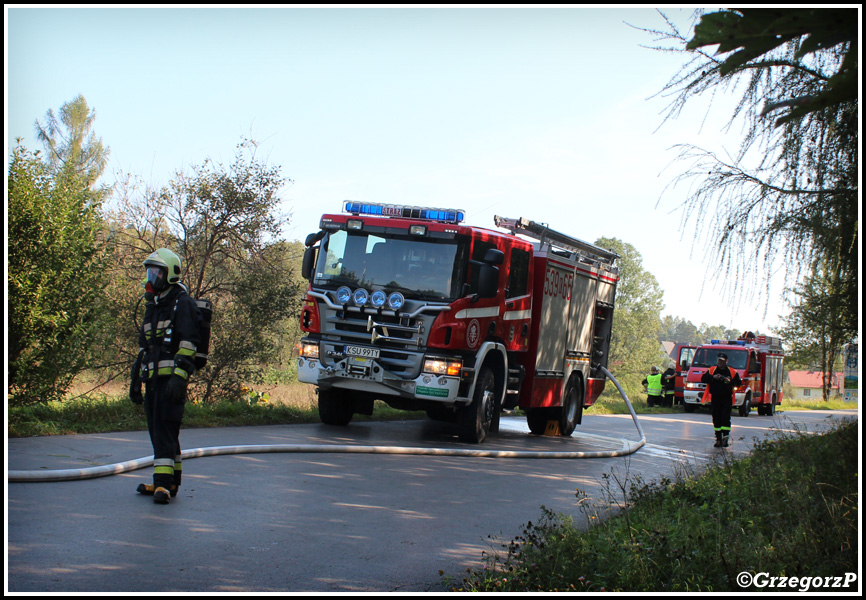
(537,112)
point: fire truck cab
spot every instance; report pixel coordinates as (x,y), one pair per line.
(758,360)
(410,306)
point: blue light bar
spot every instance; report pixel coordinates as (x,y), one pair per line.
(448,215)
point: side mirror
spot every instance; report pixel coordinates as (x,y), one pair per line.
(494,256)
(309,263)
(488,281)
(313,238)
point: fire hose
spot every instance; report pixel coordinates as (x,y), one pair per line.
(43,475)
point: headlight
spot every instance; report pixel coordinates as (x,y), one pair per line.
(378,299)
(396,301)
(306,350)
(443,366)
(344,294)
(360,297)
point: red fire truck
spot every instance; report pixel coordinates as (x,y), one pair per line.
(758,360)
(410,306)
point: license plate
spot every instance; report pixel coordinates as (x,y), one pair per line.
(361,352)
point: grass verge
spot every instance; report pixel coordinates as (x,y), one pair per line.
(99,412)
(788,509)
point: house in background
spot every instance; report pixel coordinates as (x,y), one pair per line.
(806,385)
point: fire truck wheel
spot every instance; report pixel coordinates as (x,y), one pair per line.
(572,407)
(335,407)
(768,410)
(473,420)
(746,408)
(536,419)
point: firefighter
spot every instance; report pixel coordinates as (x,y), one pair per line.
(721,382)
(653,383)
(168,340)
(669,379)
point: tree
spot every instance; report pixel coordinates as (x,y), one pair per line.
(708,333)
(813,331)
(55,279)
(223,223)
(677,329)
(634,347)
(71,146)
(750,33)
(790,193)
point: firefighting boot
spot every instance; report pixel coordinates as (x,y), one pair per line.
(725,436)
(161,495)
(718,443)
(148,489)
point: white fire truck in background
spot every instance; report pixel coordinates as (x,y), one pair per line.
(410,306)
(758,360)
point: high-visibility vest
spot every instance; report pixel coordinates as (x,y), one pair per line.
(706,398)
(654,385)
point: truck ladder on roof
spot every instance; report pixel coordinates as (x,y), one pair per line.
(544,234)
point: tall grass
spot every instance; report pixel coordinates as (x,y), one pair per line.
(788,509)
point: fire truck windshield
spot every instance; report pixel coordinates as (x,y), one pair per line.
(708,357)
(417,266)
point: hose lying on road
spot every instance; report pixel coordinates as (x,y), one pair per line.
(42,475)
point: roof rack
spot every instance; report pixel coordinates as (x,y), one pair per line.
(545,235)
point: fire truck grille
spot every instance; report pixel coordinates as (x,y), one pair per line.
(400,342)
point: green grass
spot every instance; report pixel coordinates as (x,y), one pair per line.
(103,413)
(788,509)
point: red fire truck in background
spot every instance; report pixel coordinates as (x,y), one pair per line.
(758,360)
(410,306)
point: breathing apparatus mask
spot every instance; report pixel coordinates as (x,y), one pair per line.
(155,282)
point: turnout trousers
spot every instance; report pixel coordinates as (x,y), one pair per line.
(163,425)
(722,417)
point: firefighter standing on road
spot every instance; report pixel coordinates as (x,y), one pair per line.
(721,382)
(168,341)
(653,383)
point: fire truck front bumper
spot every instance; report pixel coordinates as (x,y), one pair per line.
(368,375)
(693,396)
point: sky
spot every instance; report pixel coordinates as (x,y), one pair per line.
(542,112)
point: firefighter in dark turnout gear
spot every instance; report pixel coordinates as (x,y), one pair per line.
(168,341)
(721,381)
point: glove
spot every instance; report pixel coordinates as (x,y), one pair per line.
(176,389)
(135,382)
(135,394)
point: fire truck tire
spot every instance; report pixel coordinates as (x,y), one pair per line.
(474,420)
(768,410)
(572,407)
(335,407)
(536,419)
(746,407)
(689,408)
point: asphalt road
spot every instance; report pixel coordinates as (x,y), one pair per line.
(325,522)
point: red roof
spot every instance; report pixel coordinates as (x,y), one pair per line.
(811,379)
